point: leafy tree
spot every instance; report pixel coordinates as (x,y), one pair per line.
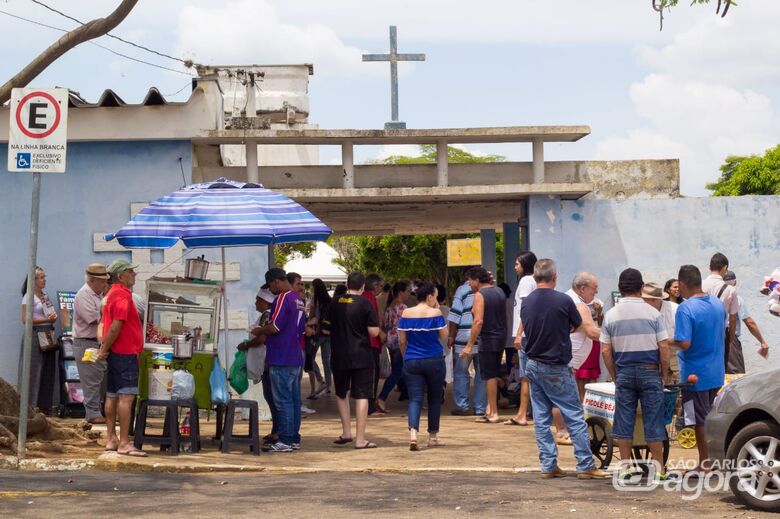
(753,175)
(283,252)
(660,5)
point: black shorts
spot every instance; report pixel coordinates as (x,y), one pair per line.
(122,377)
(490,364)
(696,405)
(311,354)
(358,382)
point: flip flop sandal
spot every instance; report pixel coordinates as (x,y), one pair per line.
(342,441)
(513,421)
(110,449)
(482,419)
(368,445)
(135,453)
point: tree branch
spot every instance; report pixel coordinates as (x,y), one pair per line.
(88,31)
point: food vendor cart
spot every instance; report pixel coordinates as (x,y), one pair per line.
(177,306)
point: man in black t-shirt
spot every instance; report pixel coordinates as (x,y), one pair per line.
(351,322)
(547,318)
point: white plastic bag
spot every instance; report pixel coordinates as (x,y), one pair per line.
(183,385)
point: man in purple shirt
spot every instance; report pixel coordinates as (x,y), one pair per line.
(284,358)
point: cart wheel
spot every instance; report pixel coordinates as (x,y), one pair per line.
(600,436)
(686,438)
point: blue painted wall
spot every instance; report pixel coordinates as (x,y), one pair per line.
(95,194)
(657,236)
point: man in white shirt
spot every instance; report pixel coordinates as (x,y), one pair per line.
(584,288)
(714,285)
(736,361)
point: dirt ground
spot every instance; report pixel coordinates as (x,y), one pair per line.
(424,495)
(469,446)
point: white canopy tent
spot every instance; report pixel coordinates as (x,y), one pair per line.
(319,265)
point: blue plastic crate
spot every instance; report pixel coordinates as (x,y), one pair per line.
(670,404)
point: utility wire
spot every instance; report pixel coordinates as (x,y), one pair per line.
(112,51)
(187,63)
(188,83)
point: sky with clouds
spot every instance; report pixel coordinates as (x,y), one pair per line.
(701,89)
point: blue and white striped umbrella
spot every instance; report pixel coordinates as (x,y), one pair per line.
(222,213)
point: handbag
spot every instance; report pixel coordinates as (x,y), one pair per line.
(46,341)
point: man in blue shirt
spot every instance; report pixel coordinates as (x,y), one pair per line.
(700,335)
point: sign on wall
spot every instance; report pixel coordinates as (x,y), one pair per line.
(38,131)
(464,252)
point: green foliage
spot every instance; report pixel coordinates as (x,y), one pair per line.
(283,252)
(753,175)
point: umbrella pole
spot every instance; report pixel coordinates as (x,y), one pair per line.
(225,312)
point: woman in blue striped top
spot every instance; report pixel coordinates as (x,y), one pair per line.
(421,331)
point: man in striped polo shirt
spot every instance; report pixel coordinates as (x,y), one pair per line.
(636,354)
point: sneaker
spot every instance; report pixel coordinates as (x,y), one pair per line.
(667,476)
(277,447)
(629,476)
(460,412)
(594,474)
(556,473)
(307,410)
(296,446)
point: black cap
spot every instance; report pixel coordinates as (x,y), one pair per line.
(729,276)
(275,273)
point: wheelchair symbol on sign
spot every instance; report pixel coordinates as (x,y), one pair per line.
(23,160)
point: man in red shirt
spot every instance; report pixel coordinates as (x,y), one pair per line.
(122,344)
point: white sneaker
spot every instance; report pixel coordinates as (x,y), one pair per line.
(307,410)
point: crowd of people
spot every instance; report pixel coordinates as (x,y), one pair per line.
(534,350)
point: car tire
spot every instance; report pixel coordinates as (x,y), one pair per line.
(759,435)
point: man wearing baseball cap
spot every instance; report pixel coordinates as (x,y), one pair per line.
(122,344)
(284,358)
(86,316)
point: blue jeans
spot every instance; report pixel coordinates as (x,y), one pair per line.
(639,384)
(327,372)
(462,381)
(419,374)
(553,385)
(286,388)
(397,364)
(268,394)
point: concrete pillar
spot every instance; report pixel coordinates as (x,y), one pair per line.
(511,250)
(348,163)
(442,164)
(252,174)
(538,161)
(488,244)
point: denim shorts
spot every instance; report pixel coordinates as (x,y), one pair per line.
(639,384)
(122,378)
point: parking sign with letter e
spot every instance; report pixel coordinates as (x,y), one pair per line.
(38,130)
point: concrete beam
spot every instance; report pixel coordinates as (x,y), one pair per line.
(438,194)
(428,136)
(348,165)
(442,163)
(538,161)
